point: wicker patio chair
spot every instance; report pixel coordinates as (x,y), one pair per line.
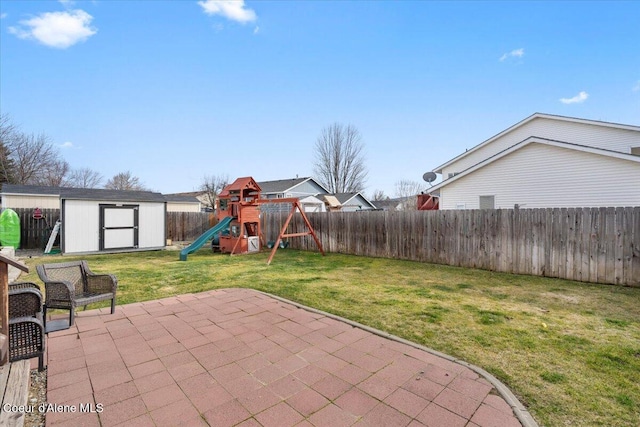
(24,285)
(71,284)
(26,328)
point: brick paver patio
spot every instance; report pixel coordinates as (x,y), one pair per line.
(239,357)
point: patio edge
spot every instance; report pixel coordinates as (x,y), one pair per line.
(518,408)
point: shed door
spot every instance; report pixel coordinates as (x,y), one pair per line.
(118,227)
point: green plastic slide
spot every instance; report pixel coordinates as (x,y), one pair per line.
(206,236)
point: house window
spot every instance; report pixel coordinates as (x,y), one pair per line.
(452,174)
(460,206)
(635,151)
(487,202)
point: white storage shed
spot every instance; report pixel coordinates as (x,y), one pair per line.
(99,220)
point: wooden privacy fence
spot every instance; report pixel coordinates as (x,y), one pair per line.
(587,244)
(187,226)
(34,233)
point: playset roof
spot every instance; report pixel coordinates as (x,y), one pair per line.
(244,183)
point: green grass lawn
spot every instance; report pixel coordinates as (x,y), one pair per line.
(570,351)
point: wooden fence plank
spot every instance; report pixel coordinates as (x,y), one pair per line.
(593,245)
(601,246)
(627,250)
(635,244)
(502,236)
(618,242)
(576,237)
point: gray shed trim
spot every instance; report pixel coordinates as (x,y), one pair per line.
(30,190)
(84,193)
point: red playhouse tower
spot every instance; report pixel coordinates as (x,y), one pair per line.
(239,206)
(238,200)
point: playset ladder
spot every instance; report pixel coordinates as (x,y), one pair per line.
(52,238)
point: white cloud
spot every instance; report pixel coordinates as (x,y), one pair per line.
(636,88)
(66,2)
(67,144)
(233,10)
(57,29)
(579,98)
(3,15)
(516,53)
(256,30)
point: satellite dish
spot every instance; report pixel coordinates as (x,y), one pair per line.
(429,177)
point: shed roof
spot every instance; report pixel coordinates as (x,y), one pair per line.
(180,198)
(83,193)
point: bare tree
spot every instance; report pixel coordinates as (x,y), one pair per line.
(33,158)
(379,195)
(339,164)
(6,165)
(52,174)
(84,178)
(125,181)
(7,128)
(212,185)
(24,158)
(407,191)
(7,132)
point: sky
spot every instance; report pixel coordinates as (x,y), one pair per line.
(173,91)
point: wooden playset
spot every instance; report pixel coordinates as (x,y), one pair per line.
(241,202)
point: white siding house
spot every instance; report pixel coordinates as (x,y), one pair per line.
(182,203)
(546,161)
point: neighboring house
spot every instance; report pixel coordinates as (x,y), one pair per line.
(389,204)
(312,204)
(546,161)
(396,204)
(200,196)
(295,187)
(182,203)
(351,202)
(313,196)
(306,190)
(97,220)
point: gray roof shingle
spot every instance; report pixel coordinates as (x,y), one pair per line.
(281,185)
(84,193)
